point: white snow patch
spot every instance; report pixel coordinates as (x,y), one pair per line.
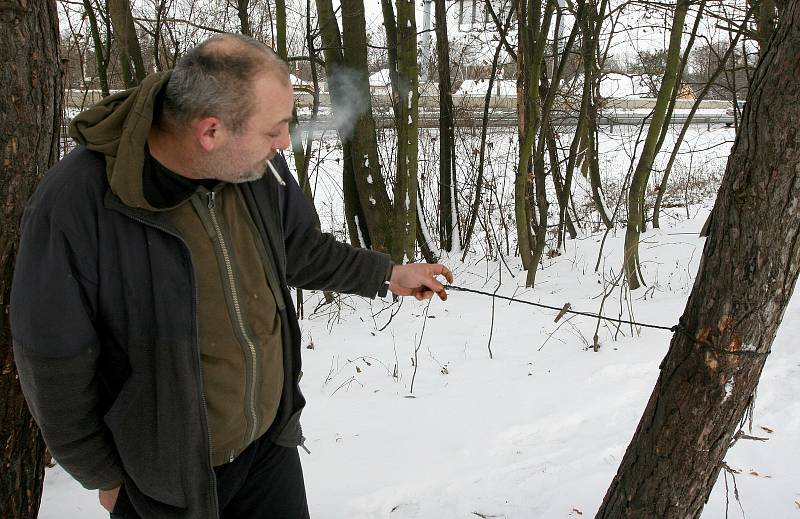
(358,230)
(728,389)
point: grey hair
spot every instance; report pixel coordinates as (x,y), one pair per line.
(215,78)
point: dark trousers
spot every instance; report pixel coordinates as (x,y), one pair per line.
(264,482)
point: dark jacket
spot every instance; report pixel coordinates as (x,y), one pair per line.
(105,330)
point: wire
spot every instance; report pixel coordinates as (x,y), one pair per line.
(557,309)
(678,328)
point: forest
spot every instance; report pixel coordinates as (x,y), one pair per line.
(633,159)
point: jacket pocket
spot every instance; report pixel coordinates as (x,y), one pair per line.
(151,466)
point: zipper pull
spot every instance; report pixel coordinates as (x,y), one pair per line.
(303,444)
(210,195)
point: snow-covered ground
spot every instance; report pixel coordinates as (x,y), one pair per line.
(536,431)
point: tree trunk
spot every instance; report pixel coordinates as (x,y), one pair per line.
(366,204)
(101,59)
(30,120)
(747,274)
(650,149)
(349,87)
(591,87)
(128,48)
(534,26)
(332,45)
(447,225)
(295,136)
(766,13)
(390,27)
(242,9)
(405,189)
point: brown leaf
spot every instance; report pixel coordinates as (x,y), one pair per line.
(358,370)
(754,473)
(577,511)
(767,429)
(797,503)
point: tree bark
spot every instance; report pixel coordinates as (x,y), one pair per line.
(746,278)
(30,119)
(766,13)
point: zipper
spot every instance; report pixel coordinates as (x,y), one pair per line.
(196,350)
(251,347)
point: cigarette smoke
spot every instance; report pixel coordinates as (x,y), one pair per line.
(348,101)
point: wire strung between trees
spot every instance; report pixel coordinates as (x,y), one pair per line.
(678,328)
(557,309)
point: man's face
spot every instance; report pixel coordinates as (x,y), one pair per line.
(243,156)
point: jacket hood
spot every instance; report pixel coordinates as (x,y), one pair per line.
(118,127)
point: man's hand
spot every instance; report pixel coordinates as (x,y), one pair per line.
(417,279)
(108,498)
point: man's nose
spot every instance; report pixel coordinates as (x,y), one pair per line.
(283,141)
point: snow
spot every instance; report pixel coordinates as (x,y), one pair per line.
(539,430)
(380,79)
(478,87)
(297,82)
(536,432)
(623,86)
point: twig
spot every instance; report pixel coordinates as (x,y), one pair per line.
(419,344)
(494,299)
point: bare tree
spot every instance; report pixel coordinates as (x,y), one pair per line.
(746,278)
(534,17)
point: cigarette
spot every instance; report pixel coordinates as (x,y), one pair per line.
(275,173)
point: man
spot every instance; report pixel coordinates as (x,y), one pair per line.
(153,330)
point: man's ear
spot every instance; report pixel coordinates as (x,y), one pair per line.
(209,132)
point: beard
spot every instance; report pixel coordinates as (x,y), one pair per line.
(227,167)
